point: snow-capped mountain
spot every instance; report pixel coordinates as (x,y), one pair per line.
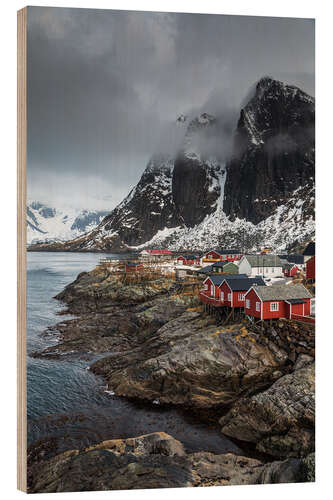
(274,151)
(195,199)
(45,224)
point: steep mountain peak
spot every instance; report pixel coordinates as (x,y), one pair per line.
(192,199)
(200,122)
(181,118)
(159,163)
(269,91)
(273,150)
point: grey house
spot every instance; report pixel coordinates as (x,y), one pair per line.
(269,266)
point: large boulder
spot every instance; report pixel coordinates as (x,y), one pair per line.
(280,420)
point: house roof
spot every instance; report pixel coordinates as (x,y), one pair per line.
(264,260)
(282,292)
(188,257)
(288,265)
(223,264)
(156,252)
(296,301)
(227,251)
(216,278)
(231,277)
(205,270)
(244,283)
(310,249)
(160,252)
(220,263)
(295,259)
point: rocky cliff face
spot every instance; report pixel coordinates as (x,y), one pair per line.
(273,151)
(198,177)
(148,208)
(173,191)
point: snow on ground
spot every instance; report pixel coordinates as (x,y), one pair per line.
(286,225)
(53,224)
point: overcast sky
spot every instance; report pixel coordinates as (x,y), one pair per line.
(105,88)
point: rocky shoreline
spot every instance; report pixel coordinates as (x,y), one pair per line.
(156,345)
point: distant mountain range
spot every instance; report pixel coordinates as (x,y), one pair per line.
(46,224)
(195,199)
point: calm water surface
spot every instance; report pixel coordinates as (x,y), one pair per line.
(68,401)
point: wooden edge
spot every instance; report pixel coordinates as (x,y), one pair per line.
(21,249)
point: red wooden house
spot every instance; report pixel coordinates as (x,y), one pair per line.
(230,254)
(290,270)
(232,291)
(211,286)
(278,301)
(188,260)
(227,290)
(311,269)
(132,267)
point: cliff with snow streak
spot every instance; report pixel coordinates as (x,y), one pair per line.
(274,151)
(194,199)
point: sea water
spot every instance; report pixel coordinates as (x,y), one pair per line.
(65,399)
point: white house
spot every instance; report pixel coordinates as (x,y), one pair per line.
(269,266)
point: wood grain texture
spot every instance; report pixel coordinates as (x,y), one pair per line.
(21,249)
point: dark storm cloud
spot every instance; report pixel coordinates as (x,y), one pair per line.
(105,88)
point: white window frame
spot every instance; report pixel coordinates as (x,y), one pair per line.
(274,306)
(229,297)
(212,291)
(241,297)
(247,304)
(206,286)
(222,295)
(258,307)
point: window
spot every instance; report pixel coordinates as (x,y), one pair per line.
(267,270)
(273,270)
(258,306)
(212,291)
(222,295)
(247,304)
(206,286)
(229,297)
(274,306)
(241,296)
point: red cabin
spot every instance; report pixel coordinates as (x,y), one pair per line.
(188,260)
(132,267)
(290,270)
(232,291)
(311,269)
(230,255)
(229,290)
(211,286)
(278,301)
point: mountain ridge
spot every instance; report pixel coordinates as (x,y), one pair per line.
(195,199)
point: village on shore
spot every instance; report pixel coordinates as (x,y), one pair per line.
(262,286)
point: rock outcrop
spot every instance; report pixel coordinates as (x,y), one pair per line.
(280,420)
(152,461)
(190,361)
